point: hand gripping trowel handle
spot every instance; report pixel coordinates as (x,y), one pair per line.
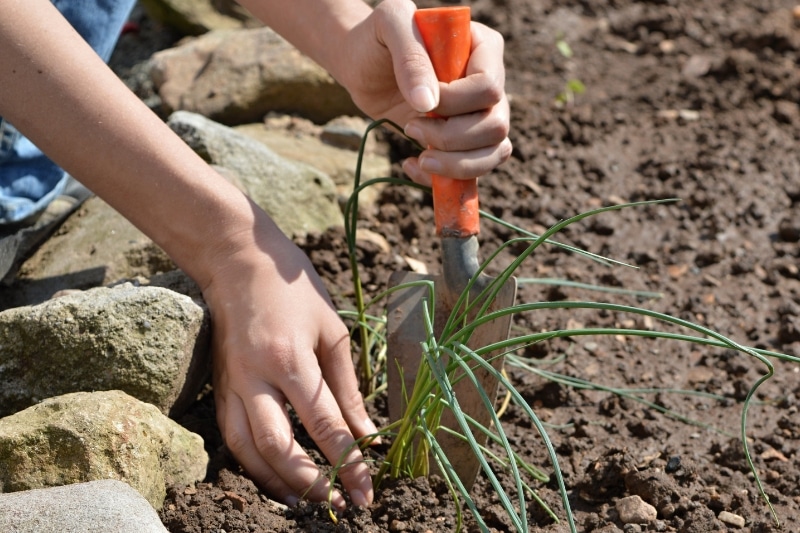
(447,37)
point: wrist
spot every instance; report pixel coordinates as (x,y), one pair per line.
(240,239)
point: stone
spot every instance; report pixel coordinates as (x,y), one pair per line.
(297,196)
(237,77)
(150,342)
(194,17)
(731,519)
(634,510)
(88,436)
(103,505)
(789,228)
(347,132)
(95,246)
(307,145)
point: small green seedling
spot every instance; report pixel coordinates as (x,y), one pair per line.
(572,86)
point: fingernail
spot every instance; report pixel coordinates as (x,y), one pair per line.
(371,427)
(411,169)
(430,165)
(338,501)
(372,430)
(358,498)
(421,99)
(291,501)
(415,133)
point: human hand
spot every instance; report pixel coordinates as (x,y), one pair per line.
(278,339)
(276,336)
(388,73)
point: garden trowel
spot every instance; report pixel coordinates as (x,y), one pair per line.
(446,34)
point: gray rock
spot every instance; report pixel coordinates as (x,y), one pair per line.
(310,145)
(237,77)
(96,246)
(194,17)
(88,436)
(298,197)
(104,506)
(148,341)
(347,132)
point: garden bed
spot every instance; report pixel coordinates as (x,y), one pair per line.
(694,100)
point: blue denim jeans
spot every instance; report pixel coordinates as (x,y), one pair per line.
(28,179)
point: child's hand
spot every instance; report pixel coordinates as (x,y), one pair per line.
(277,340)
(387,71)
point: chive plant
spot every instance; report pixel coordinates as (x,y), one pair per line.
(448,358)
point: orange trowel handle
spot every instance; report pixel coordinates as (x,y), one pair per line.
(446,34)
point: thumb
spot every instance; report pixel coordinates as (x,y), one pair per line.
(413,69)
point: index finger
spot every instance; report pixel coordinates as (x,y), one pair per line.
(483,87)
(319,411)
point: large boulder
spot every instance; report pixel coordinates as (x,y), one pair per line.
(150,342)
(88,436)
(237,77)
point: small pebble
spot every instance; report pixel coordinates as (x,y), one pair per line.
(398,525)
(731,519)
(634,510)
(673,464)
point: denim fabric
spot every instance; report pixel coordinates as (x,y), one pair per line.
(28,179)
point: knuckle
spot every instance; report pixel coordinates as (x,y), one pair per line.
(495,37)
(351,399)
(413,61)
(444,143)
(270,442)
(237,440)
(494,92)
(327,430)
(499,128)
(277,352)
(489,35)
(505,150)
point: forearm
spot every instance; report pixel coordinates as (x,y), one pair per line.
(315,27)
(56,91)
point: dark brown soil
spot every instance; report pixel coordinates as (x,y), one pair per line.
(695,100)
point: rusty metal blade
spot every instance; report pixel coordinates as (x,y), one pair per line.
(406,330)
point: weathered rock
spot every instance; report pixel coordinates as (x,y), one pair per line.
(347,132)
(87,436)
(298,197)
(236,77)
(104,505)
(311,145)
(148,341)
(95,246)
(194,17)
